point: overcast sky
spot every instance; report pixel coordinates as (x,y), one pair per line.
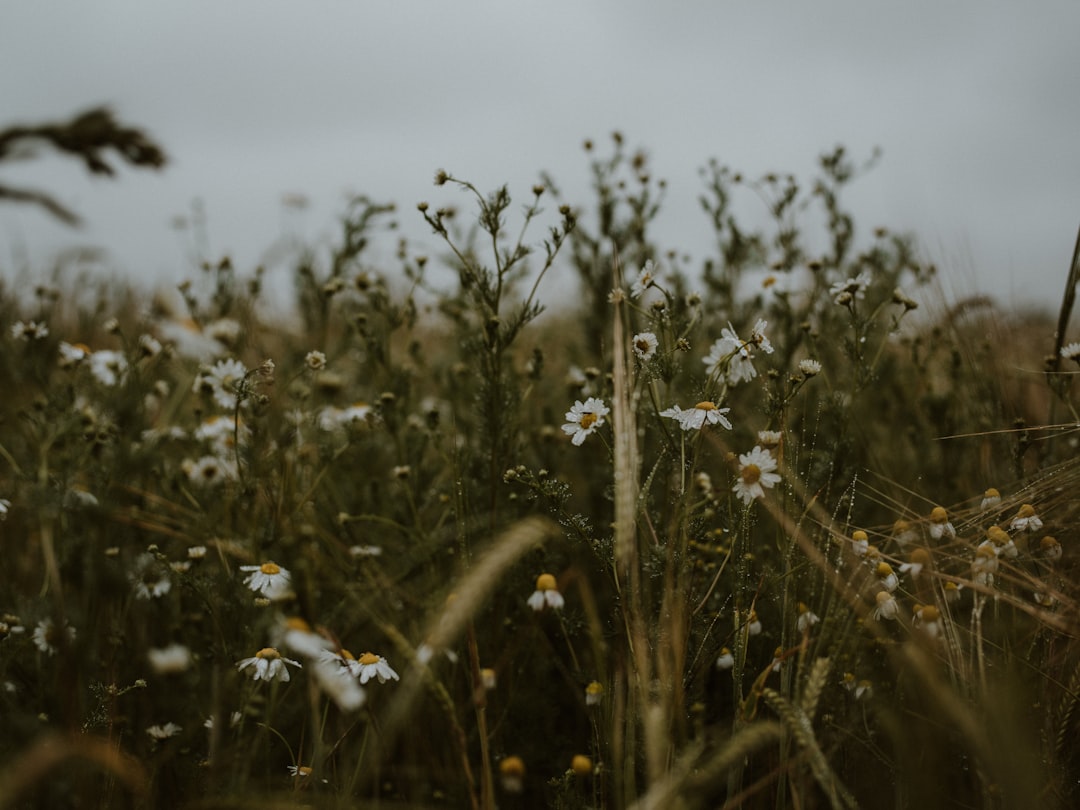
(975,105)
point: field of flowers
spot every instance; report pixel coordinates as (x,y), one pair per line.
(784,528)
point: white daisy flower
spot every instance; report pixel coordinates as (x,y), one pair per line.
(269,579)
(887,577)
(594,693)
(209,471)
(726,659)
(169,660)
(854,288)
(546,594)
(732,353)
(1071,351)
(297,635)
(267,665)
(46,636)
(71,354)
(149,579)
(108,367)
(335,677)
(299,770)
(939,524)
(149,346)
(1026,520)
(646,278)
(806,619)
(991,498)
(5,505)
(645,345)
(375,666)
(756,473)
(583,418)
(887,607)
(164,732)
(860,543)
(31,330)
(810,368)
(696,418)
(220,381)
(315,360)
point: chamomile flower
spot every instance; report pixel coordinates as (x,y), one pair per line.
(645,345)
(732,354)
(512,774)
(29,330)
(594,693)
(269,579)
(300,771)
(149,579)
(985,565)
(1026,520)
(927,620)
(864,689)
(753,624)
(5,505)
(886,607)
(209,471)
(47,636)
(220,381)
(108,367)
(917,561)
(853,288)
(770,439)
(806,619)
(336,676)
(903,532)
(1050,548)
(756,473)
(583,418)
(375,666)
(163,732)
(940,527)
(809,367)
(887,577)
(315,360)
(991,498)
(726,659)
(696,418)
(546,594)
(860,543)
(73,354)
(169,660)
(1071,351)
(1002,544)
(267,665)
(646,278)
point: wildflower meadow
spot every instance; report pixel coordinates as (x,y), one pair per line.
(544,515)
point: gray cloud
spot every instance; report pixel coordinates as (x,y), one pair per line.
(974,106)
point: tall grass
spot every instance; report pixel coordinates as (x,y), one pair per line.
(718,536)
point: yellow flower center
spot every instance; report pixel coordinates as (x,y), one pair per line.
(992,493)
(930,614)
(751,474)
(296,623)
(1026,511)
(303,770)
(581,765)
(642,346)
(348,656)
(546,582)
(859,536)
(594,688)
(368,658)
(920,556)
(939,515)
(705,406)
(588,420)
(268,653)
(270,569)
(512,766)
(884,569)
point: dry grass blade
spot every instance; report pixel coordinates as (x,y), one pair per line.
(471,592)
(52,750)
